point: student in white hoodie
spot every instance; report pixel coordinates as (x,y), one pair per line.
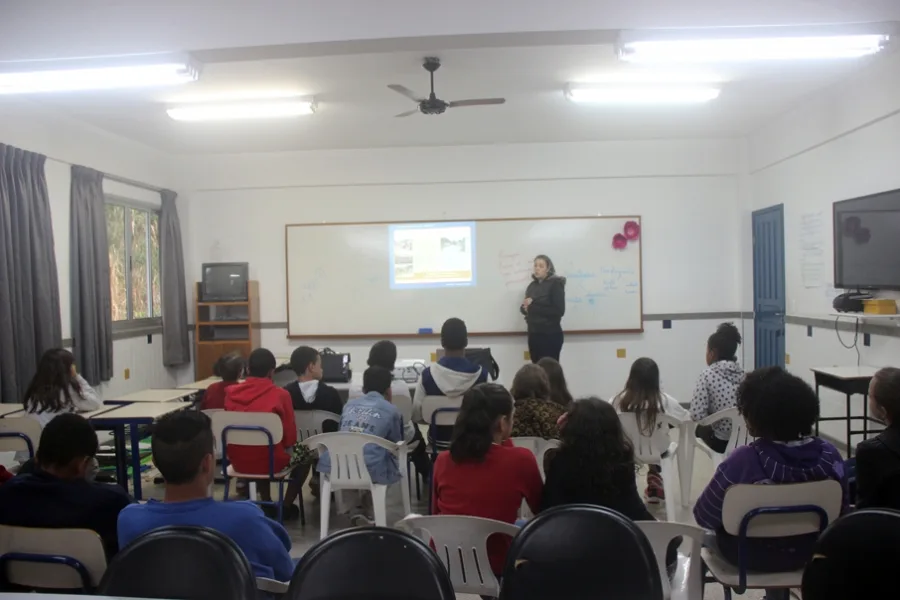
(717,386)
(452,376)
(643,396)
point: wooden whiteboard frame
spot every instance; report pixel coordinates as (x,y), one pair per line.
(350,336)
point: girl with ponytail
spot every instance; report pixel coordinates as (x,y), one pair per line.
(483,474)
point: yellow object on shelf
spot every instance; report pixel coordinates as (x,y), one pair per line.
(880,306)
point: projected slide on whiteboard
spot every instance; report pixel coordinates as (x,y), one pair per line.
(426,255)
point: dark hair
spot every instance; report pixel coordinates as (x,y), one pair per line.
(551,270)
(230,367)
(261,363)
(473,432)
(886,392)
(68,436)
(180,441)
(642,395)
(724,342)
(301,359)
(377,379)
(454,335)
(530,381)
(383,354)
(594,450)
(53,375)
(777,405)
(559,390)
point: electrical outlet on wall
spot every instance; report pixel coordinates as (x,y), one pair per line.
(127,374)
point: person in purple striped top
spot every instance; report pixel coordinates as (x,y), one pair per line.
(780,410)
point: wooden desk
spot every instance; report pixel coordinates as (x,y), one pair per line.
(8,409)
(203,384)
(152,396)
(848,381)
(133,416)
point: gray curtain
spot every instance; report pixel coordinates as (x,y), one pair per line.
(176,348)
(29,287)
(89,277)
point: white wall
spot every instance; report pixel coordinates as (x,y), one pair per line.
(64,142)
(686,193)
(841,144)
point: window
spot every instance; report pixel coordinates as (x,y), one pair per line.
(134,283)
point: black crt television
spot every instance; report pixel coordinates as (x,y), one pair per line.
(224,282)
(867,242)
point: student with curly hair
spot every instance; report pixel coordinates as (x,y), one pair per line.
(717,386)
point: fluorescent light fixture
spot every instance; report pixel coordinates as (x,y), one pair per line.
(641,94)
(106,73)
(256,109)
(751,44)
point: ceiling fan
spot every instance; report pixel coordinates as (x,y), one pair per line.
(432,105)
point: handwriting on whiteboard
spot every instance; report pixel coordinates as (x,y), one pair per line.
(515,268)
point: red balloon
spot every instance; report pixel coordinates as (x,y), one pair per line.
(632,230)
(619,241)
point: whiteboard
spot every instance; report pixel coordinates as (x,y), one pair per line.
(339,279)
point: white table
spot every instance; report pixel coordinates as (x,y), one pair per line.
(849,381)
(203,384)
(152,396)
(8,409)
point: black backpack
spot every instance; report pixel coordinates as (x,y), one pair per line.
(484,358)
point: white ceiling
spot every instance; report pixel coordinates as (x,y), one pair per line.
(347,68)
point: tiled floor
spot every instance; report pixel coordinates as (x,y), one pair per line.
(306,536)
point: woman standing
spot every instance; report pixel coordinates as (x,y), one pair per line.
(544,307)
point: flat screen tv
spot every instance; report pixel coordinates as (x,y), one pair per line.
(867,242)
(224,282)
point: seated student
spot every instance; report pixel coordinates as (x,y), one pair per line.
(309,392)
(483,474)
(258,393)
(60,492)
(717,386)
(536,413)
(595,465)
(384,354)
(230,368)
(183,448)
(57,388)
(372,414)
(559,389)
(643,396)
(781,410)
(453,374)
(878,458)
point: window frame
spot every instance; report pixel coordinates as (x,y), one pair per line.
(130,324)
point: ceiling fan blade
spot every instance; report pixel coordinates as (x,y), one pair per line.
(476,102)
(408,113)
(401,89)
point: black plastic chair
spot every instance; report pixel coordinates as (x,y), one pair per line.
(581,551)
(370,563)
(187,563)
(855,557)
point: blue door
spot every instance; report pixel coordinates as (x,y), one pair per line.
(768,286)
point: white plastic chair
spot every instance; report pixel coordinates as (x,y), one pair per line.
(740,435)
(251,429)
(739,504)
(432,403)
(79,562)
(538,446)
(15,431)
(687,581)
(309,422)
(404,404)
(655,449)
(349,472)
(461,545)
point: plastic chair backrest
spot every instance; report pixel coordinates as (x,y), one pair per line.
(15,430)
(648,449)
(743,499)
(51,558)
(372,562)
(432,403)
(404,404)
(660,534)
(559,554)
(538,446)
(347,455)
(228,418)
(284,377)
(740,434)
(461,545)
(192,563)
(309,422)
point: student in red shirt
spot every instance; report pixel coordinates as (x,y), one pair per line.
(260,394)
(483,474)
(230,368)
